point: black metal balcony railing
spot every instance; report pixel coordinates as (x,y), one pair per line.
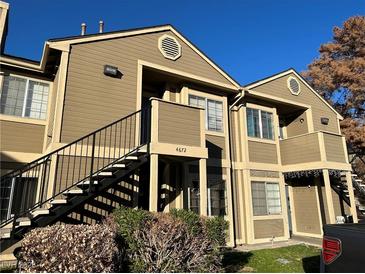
(30,187)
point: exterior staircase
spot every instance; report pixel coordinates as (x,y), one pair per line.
(72,176)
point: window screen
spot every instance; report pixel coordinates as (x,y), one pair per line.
(23,97)
(265,198)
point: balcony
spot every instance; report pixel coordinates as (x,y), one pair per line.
(315,150)
(177,129)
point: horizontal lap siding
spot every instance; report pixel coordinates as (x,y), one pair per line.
(278,88)
(262,152)
(21,137)
(334,148)
(268,228)
(306,209)
(92,99)
(296,127)
(216,146)
(301,149)
(178,125)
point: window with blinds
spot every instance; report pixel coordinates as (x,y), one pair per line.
(259,123)
(24,97)
(213,111)
(265,198)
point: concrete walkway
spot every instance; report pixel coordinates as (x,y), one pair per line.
(295,240)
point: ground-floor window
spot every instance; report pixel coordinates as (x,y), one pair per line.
(216,198)
(17,195)
(265,198)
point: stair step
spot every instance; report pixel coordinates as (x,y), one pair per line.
(40,211)
(358,180)
(87,182)
(5,233)
(74,191)
(115,167)
(104,174)
(23,221)
(58,202)
(354,175)
(132,158)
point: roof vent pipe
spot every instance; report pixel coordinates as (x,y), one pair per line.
(101,26)
(83,29)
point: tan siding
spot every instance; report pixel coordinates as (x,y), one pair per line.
(268,228)
(279,88)
(21,137)
(306,209)
(216,146)
(296,127)
(334,148)
(93,99)
(301,149)
(262,152)
(178,124)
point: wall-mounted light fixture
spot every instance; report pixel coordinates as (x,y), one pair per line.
(324,120)
(112,71)
(301,120)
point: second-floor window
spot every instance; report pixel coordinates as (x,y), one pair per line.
(213,110)
(24,97)
(259,124)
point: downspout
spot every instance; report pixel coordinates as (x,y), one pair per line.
(239,96)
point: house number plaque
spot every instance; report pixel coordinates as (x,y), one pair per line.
(181,149)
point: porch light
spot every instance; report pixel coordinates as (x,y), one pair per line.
(112,71)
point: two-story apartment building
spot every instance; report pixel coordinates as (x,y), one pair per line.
(143,118)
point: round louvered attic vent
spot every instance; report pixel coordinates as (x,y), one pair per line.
(169,47)
(293,85)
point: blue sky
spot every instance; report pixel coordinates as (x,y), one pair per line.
(248,39)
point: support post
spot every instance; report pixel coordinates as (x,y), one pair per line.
(352,197)
(329,200)
(203,186)
(153,207)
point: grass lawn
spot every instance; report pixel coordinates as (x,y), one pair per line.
(296,258)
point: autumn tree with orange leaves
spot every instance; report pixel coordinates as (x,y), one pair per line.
(338,74)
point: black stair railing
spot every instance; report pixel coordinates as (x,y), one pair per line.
(49,177)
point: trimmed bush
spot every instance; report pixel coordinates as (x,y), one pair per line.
(71,248)
(175,242)
(216,229)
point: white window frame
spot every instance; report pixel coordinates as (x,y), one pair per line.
(206,111)
(267,206)
(26,94)
(260,124)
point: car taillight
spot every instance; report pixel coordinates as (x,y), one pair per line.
(331,249)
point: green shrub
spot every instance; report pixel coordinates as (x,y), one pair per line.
(216,229)
(190,218)
(70,248)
